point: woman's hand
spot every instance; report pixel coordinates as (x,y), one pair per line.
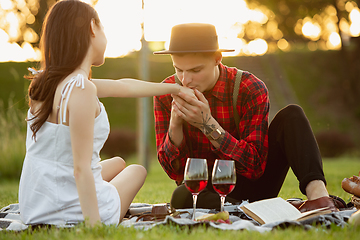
(186,91)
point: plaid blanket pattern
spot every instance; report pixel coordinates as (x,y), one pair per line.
(10,218)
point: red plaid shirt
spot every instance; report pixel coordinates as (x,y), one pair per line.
(249,150)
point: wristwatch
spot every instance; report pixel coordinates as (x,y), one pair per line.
(215,134)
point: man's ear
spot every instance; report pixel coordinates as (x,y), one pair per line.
(218,58)
(92,27)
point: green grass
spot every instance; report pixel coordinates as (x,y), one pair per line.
(12,137)
(158,188)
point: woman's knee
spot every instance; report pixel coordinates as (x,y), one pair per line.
(120,163)
(138,169)
(112,167)
(130,180)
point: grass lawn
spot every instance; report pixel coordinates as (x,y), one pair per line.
(158,188)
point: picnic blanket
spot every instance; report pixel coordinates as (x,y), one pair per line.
(10,220)
(240,221)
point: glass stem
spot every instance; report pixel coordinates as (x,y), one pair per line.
(194,205)
(222,198)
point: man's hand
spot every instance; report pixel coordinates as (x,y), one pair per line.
(194,110)
(175,119)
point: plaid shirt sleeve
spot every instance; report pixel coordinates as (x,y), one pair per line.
(170,157)
(250,151)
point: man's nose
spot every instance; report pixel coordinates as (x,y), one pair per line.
(186,79)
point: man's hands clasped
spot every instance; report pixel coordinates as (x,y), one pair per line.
(193,108)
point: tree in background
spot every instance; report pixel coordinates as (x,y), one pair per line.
(319,24)
(21,21)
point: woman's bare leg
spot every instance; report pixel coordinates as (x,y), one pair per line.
(112,167)
(128,183)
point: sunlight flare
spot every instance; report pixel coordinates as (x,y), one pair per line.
(354,16)
(311,30)
(334,41)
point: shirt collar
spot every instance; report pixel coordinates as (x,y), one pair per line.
(218,90)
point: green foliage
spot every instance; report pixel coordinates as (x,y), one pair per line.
(12,135)
(13,83)
(318,81)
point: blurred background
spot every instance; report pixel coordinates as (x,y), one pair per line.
(307,52)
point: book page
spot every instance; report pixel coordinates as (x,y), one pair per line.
(313,213)
(274,209)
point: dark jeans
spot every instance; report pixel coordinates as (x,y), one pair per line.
(291,144)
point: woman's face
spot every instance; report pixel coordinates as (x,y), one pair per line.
(99,44)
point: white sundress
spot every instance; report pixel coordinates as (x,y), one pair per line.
(47,191)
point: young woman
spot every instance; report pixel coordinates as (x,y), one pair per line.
(63,180)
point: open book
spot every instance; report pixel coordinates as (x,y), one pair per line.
(277,209)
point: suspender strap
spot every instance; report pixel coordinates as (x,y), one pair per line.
(235,96)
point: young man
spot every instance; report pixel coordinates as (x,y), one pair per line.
(203,126)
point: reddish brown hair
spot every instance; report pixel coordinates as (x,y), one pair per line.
(65,40)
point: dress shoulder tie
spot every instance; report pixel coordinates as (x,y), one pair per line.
(77,81)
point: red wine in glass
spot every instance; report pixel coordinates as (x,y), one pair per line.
(223,178)
(195,186)
(224,188)
(195,177)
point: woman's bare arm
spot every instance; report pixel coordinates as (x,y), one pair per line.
(128,87)
(82,110)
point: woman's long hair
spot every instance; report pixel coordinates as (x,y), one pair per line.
(64,43)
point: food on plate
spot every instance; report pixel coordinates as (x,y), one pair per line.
(221,217)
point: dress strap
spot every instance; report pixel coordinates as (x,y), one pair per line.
(77,81)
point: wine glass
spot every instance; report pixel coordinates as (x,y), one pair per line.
(195,178)
(223,178)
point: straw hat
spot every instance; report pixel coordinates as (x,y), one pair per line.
(193,38)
